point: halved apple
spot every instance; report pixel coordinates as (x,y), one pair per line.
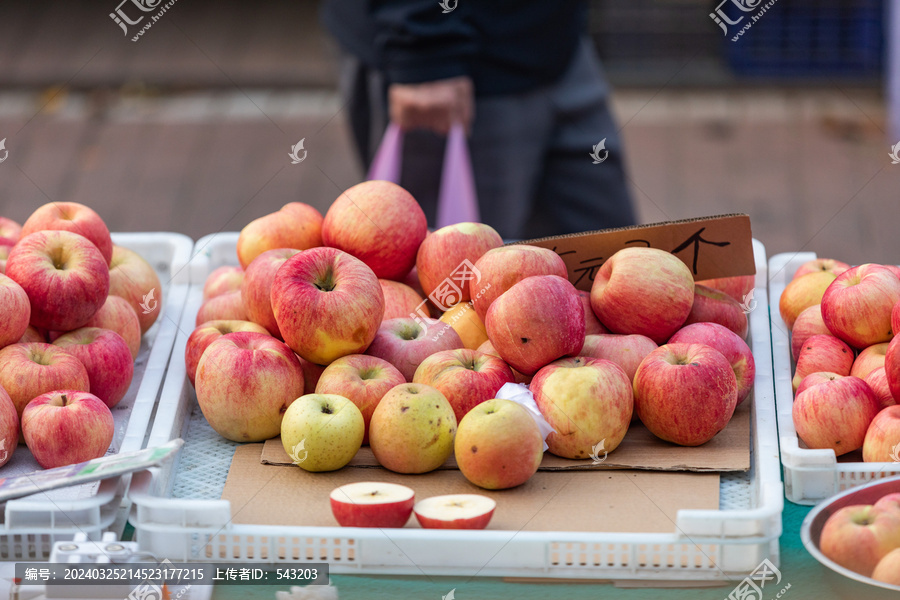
(455,511)
(372,504)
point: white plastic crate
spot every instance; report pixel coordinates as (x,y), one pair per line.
(30,525)
(809,475)
(178,514)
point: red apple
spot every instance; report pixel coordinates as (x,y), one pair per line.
(455,511)
(16,311)
(412,280)
(29,370)
(72,217)
(33,334)
(245,382)
(9,427)
(835,414)
(808,323)
(713,306)
(295,225)
(828,265)
(225,307)
(645,291)
(311,374)
(465,377)
(815,379)
(372,504)
(685,393)
(327,303)
(738,287)
(592,325)
(379,223)
(627,351)
(889,502)
(405,343)
(498,445)
(447,250)
(587,401)
(488,348)
(801,293)
(869,359)
(117,315)
(5,248)
(132,278)
(362,379)
(731,345)
(823,353)
(502,268)
(208,332)
(892,368)
(895,319)
(877,380)
(66,427)
(65,276)
(107,359)
(10,230)
(400,300)
(858,537)
(535,322)
(888,568)
(882,442)
(226,278)
(857,306)
(256,289)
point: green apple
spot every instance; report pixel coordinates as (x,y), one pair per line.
(412,429)
(322,432)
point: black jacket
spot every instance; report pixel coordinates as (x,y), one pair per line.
(505,46)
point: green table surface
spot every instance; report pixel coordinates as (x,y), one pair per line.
(806,577)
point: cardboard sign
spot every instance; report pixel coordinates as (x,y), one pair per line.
(711,247)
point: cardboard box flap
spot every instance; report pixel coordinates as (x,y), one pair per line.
(728,451)
(612,501)
(720,246)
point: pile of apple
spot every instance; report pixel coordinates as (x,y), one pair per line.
(71,329)
(321,336)
(846,383)
(866,539)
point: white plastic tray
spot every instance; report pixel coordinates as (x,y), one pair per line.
(178,514)
(809,475)
(30,525)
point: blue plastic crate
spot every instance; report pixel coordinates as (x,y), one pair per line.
(811,39)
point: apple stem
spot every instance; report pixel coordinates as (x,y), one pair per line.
(65,399)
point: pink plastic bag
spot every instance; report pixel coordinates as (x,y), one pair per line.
(457,200)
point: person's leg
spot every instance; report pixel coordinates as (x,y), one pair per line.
(353,85)
(574,193)
(508,144)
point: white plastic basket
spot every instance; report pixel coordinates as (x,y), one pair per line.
(30,525)
(809,475)
(178,514)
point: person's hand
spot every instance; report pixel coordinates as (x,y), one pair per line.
(434,106)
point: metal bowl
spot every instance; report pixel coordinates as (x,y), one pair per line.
(811,529)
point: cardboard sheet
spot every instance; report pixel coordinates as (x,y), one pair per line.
(610,501)
(728,451)
(712,247)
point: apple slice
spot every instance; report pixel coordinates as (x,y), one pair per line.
(372,504)
(455,511)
